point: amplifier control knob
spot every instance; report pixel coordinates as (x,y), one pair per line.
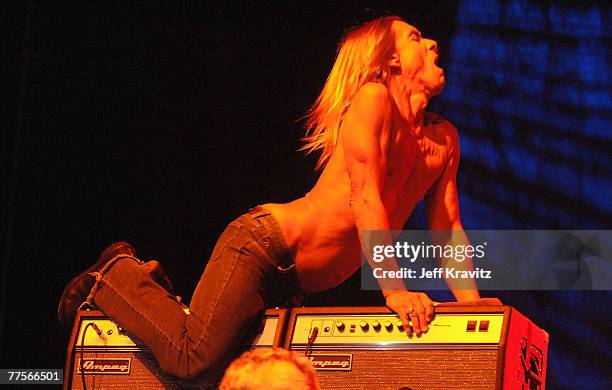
(400,326)
(376,325)
(364,325)
(340,325)
(388,325)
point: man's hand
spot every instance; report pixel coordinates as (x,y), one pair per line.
(412,306)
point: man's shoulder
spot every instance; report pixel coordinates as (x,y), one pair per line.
(371,103)
(373,90)
(442,126)
(372,94)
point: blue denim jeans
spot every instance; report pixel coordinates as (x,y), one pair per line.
(249,270)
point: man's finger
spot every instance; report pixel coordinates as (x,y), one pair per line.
(429,310)
(414,317)
(420,311)
(404,318)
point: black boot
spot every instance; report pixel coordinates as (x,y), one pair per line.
(78,288)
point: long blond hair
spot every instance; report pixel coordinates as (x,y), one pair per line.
(362,56)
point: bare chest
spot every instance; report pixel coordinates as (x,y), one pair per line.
(413,166)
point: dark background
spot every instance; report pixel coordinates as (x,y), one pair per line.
(158,124)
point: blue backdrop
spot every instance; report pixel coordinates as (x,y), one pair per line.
(529,88)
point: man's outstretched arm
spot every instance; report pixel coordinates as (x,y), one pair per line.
(365,135)
(443,214)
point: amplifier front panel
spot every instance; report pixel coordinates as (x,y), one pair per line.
(111,335)
(114,359)
(387,331)
(411,369)
(368,348)
(107,370)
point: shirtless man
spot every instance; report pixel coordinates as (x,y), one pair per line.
(381,154)
(389,154)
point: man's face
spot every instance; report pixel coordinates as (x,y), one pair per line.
(418,58)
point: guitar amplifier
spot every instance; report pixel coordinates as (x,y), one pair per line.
(466,347)
(113,359)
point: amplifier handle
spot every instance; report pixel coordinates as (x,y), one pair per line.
(533,368)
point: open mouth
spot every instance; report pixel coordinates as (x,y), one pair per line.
(435,62)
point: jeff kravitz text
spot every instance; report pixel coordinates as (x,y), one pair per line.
(436,273)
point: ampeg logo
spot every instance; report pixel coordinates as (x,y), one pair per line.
(105,366)
(332,361)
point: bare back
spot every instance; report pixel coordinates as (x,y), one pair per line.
(320,227)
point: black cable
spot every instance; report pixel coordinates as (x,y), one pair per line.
(311,339)
(83,354)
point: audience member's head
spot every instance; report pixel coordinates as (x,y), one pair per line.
(270,369)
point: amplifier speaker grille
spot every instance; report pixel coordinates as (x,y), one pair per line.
(144,373)
(415,369)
